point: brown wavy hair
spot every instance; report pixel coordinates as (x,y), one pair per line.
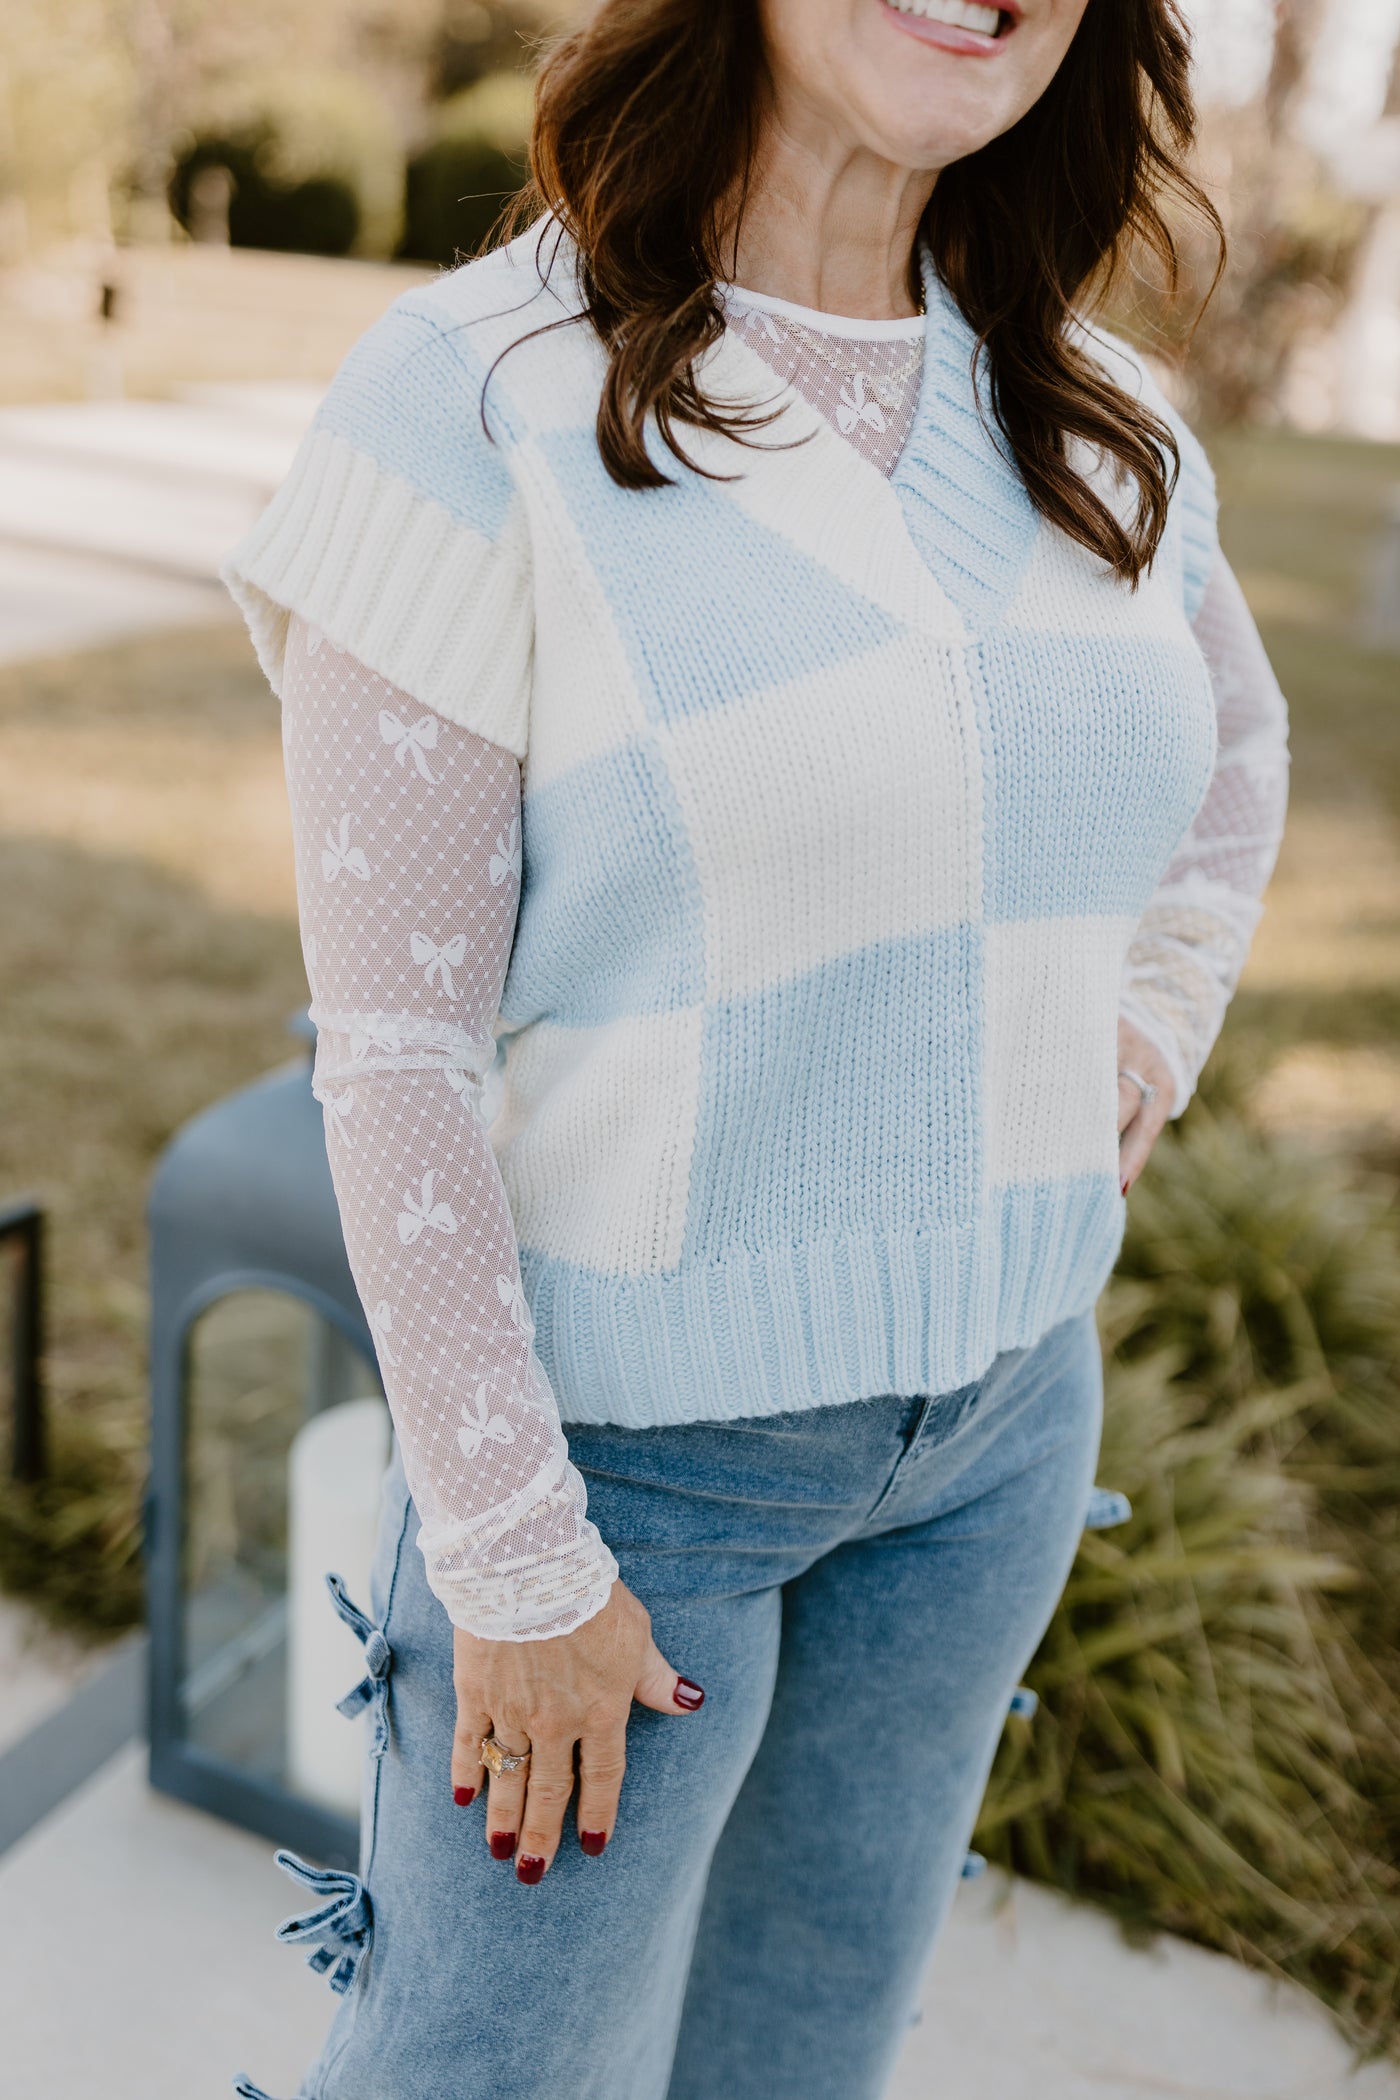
(647,122)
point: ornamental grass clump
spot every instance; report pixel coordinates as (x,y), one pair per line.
(1217,1750)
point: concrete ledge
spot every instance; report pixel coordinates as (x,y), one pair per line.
(65,1749)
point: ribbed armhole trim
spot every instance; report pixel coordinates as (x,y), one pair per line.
(437,609)
(1196,501)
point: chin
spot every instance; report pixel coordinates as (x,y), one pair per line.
(928,125)
(931,92)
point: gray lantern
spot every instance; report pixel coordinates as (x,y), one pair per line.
(269,1439)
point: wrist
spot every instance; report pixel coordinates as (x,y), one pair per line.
(555,1595)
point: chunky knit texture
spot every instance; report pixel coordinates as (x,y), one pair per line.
(843,799)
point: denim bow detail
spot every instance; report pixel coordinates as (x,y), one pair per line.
(373,1689)
(337,1929)
(246,2090)
(1106,1508)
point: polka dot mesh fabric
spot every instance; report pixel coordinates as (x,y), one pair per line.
(407,836)
(408,856)
(1190,947)
(866,386)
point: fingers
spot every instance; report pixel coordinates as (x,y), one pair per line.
(1129,1102)
(505,1799)
(602,1761)
(1136,1142)
(660,1688)
(547,1795)
(467,1772)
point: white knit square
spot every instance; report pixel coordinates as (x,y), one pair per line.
(1050,1005)
(833,812)
(803,481)
(595,1136)
(578,652)
(1064,589)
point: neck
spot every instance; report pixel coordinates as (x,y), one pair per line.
(827,223)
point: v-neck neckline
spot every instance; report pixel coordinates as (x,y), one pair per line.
(851,515)
(792,406)
(947,536)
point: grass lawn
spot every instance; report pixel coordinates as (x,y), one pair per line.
(149,959)
(1320,1004)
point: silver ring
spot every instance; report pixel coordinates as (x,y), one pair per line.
(1144,1086)
(497,1759)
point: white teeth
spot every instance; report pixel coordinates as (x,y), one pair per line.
(963,14)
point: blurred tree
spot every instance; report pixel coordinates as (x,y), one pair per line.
(118,88)
(1295,228)
(67,84)
(478,38)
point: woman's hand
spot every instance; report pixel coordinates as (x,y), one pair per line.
(547,1696)
(1140,1123)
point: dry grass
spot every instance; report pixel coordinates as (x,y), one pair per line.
(148,959)
(1317,1022)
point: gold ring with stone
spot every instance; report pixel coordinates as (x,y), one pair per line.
(498,1760)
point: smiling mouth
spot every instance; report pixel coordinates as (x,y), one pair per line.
(969,15)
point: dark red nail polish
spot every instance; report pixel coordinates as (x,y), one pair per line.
(688,1695)
(1124,1187)
(502,1844)
(529,1870)
(464,1795)
(593,1841)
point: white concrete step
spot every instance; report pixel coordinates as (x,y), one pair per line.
(213,435)
(52,601)
(137,1962)
(164,485)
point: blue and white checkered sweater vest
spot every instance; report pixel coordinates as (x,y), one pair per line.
(842,799)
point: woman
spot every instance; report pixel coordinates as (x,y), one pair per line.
(901,774)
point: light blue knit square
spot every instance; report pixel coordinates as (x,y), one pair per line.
(409,394)
(809,1126)
(610,911)
(712,607)
(1095,762)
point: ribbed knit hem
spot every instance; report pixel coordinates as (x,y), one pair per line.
(422,599)
(908,1313)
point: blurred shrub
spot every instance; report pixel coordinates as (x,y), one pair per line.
(459,184)
(314,162)
(318,217)
(72,1543)
(1218,1746)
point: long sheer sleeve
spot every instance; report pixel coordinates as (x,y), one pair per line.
(408,858)
(1190,947)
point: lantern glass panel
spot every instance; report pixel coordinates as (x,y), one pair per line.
(260,1363)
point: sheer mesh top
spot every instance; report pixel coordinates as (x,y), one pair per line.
(408,860)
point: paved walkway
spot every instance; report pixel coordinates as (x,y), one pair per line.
(114,515)
(137,1963)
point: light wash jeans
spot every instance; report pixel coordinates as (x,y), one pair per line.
(858,1589)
